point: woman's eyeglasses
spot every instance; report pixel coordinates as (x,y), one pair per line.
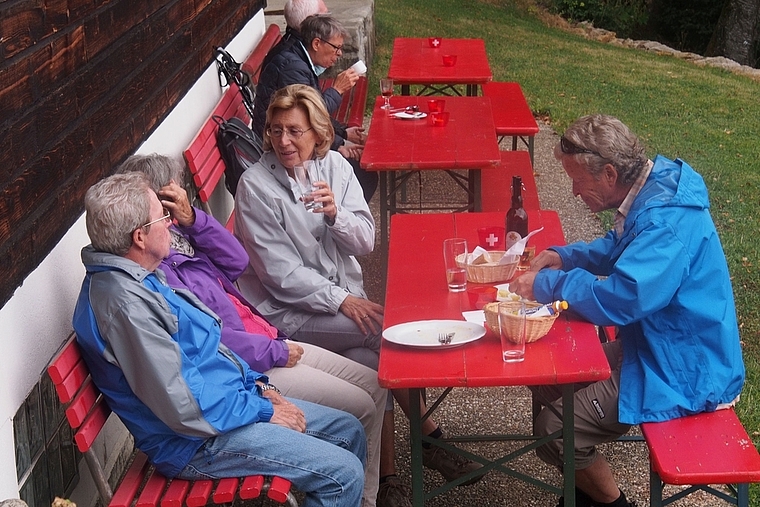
(166,218)
(292,132)
(338,49)
(570,148)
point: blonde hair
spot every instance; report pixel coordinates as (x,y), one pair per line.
(311,103)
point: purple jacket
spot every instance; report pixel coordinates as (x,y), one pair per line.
(219,260)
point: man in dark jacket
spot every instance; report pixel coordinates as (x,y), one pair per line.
(299,58)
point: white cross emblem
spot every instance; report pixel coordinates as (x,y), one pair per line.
(437,43)
(492,240)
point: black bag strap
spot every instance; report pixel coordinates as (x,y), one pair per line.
(230,71)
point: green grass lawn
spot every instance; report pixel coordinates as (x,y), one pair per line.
(707,116)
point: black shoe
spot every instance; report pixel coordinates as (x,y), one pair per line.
(581,500)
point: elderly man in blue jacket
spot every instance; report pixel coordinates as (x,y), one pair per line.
(194,406)
(660,276)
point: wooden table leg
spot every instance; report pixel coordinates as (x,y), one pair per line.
(568,441)
(415,434)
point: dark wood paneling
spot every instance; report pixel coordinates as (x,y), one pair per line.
(82,85)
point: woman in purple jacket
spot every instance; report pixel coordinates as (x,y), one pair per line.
(206,259)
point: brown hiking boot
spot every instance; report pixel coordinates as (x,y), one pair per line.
(451,466)
(393,493)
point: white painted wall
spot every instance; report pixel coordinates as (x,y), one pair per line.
(37,319)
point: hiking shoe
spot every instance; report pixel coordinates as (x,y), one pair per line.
(581,500)
(393,493)
(451,466)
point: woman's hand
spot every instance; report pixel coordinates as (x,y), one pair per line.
(174,199)
(367,315)
(295,351)
(324,194)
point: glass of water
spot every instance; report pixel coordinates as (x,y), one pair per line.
(455,259)
(306,174)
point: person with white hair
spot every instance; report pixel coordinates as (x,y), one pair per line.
(296,11)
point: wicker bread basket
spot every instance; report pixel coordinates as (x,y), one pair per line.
(485,268)
(537,327)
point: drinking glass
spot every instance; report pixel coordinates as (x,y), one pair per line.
(512,332)
(386,89)
(306,174)
(456,276)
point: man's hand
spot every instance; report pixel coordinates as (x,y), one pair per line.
(174,199)
(546,259)
(345,80)
(523,285)
(356,135)
(367,315)
(351,150)
(295,351)
(285,413)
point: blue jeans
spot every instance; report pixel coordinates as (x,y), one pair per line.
(326,463)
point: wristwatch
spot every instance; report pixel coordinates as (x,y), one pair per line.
(267,387)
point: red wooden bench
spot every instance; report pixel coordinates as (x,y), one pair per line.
(496,182)
(351,109)
(87,413)
(699,450)
(511,114)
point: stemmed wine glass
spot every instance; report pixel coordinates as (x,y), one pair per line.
(386,89)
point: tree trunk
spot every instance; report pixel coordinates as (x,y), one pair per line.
(738,32)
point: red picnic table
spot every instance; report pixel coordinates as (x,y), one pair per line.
(416,290)
(414,61)
(393,144)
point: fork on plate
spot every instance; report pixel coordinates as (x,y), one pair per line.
(445,338)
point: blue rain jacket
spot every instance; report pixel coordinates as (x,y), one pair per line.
(665,283)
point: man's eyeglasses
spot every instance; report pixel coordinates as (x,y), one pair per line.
(292,132)
(338,49)
(570,148)
(166,218)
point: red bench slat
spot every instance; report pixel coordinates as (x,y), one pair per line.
(83,402)
(175,493)
(225,490)
(511,114)
(496,182)
(85,436)
(131,482)
(199,493)
(707,448)
(279,489)
(356,114)
(252,64)
(251,487)
(151,492)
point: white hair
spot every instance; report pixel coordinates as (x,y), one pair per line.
(296,11)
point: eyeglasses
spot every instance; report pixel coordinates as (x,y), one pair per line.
(166,218)
(570,148)
(338,49)
(293,132)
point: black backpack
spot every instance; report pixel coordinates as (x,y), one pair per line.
(240,149)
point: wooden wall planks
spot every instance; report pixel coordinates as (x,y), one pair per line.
(82,84)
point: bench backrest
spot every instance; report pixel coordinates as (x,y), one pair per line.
(351,110)
(87,411)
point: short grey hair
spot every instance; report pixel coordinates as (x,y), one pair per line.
(613,143)
(159,169)
(295,11)
(321,26)
(116,206)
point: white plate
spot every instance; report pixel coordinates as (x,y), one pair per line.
(424,333)
(410,116)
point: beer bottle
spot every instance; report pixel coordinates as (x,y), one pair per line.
(517,217)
